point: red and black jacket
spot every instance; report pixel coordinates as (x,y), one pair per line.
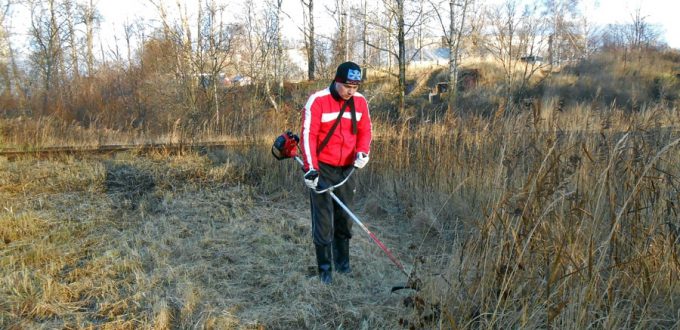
(319,115)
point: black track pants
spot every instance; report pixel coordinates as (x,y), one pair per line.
(329,220)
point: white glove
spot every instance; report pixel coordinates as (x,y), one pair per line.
(312,179)
(361,160)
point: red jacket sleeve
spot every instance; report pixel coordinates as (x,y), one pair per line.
(364,129)
(311,121)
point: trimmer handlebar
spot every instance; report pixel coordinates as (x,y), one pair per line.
(331,188)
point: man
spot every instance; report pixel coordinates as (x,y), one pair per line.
(336,136)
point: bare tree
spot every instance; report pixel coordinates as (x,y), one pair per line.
(515,42)
(69,14)
(47,56)
(278,59)
(613,37)
(633,37)
(377,37)
(640,34)
(566,40)
(273,46)
(364,37)
(176,30)
(401,57)
(214,52)
(128,34)
(14,80)
(260,46)
(250,44)
(636,31)
(340,13)
(202,50)
(5,50)
(458,10)
(397,28)
(588,32)
(91,18)
(309,40)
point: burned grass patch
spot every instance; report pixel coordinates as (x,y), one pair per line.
(127,184)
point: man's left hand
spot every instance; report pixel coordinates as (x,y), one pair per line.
(361,160)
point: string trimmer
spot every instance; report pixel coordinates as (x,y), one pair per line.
(286,146)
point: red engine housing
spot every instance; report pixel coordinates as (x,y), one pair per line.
(285,146)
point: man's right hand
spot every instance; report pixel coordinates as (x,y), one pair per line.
(361,160)
(312,179)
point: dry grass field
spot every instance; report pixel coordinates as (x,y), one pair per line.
(561,212)
(565,220)
(165,241)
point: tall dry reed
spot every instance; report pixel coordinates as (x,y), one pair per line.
(562,219)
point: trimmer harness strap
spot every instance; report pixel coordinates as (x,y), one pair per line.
(349,103)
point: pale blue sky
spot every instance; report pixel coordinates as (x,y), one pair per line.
(661,12)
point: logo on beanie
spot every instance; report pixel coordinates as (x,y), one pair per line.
(354,75)
(348,73)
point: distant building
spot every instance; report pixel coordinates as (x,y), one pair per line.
(206,80)
(239,80)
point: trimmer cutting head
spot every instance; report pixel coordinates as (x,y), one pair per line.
(413,283)
(410,284)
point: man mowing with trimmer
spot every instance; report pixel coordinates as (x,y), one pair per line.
(336,136)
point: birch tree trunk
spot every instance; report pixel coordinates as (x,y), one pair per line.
(310,41)
(401,58)
(457,24)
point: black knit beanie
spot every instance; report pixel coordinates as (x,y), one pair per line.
(348,73)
